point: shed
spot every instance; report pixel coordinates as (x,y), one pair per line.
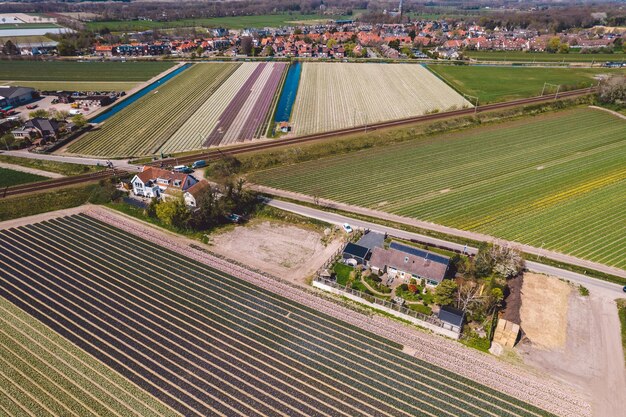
(452,316)
(356,252)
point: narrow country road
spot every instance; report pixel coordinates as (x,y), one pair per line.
(560,257)
(606,288)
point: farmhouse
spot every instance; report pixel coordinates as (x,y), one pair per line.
(15,96)
(407,262)
(38,128)
(160,183)
(193,192)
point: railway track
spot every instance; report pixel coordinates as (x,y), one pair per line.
(259,146)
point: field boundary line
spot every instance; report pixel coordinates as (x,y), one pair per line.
(613,112)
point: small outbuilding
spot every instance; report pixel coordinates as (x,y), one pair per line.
(356,252)
(452,316)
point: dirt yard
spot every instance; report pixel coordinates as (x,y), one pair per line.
(584,334)
(280,249)
(544,310)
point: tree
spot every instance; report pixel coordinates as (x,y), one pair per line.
(446,292)
(10,48)
(7,142)
(395,44)
(79,121)
(507,262)
(468,295)
(211,209)
(553,45)
(60,115)
(173,211)
(225,167)
(613,90)
(44,114)
(564,48)
(331,43)
(246,45)
(412,35)
(199,51)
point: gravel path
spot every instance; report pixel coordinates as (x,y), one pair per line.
(543,392)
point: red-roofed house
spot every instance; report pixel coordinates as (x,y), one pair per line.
(160,183)
(193,192)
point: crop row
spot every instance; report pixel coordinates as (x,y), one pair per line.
(194,334)
(145,126)
(81,385)
(508,182)
(343,95)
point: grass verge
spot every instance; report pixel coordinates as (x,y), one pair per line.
(62,168)
(621,310)
(9,177)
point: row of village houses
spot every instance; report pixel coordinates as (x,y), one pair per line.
(328,40)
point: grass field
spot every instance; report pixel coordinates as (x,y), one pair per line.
(231,22)
(543,56)
(28,26)
(35,39)
(494,84)
(74,85)
(557,181)
(81,71)
(10,177)
(64,168)
(143,127)
(335,96)
(200,340)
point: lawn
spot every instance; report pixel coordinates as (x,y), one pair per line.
(555,181)
(342,272)
(621,311)
(143,127)
(543,56)
(494,84)
(9,177)
(230,22)
(81,71)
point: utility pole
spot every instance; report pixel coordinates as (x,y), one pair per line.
(468,97)
(546,84)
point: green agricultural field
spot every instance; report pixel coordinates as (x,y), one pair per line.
(543,56)
(81,71)
(143,127)
(74,85)
(556,181)
(494,84)
(9,177)
(28,26)
(231,22)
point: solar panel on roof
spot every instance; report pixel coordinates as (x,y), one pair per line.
(419,252)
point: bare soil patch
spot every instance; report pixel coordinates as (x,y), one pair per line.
(287,251)
(544,309)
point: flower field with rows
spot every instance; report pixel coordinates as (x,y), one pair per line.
(557,181)
(236,112)
(94,335)
(143,127)
(206,105)
(336,96)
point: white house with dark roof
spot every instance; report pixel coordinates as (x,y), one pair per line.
(16,96)
(154,182)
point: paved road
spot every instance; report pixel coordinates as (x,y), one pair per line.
(409,221)
(604,287)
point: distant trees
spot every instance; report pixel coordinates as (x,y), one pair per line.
(79,120)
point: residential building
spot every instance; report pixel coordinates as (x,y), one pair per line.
(355,254)
(406,262)
(38,128)
(193,192)
(154,182)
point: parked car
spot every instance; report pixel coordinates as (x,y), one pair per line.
(624,289)
(347,228)
(199,164)
(32,106)
(182,168)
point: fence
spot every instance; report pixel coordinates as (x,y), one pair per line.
(429,322)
